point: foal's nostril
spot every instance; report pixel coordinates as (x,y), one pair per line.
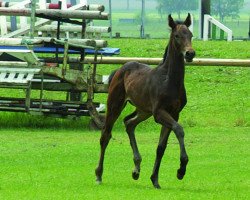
(190,54)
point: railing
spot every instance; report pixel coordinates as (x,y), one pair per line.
(215,23)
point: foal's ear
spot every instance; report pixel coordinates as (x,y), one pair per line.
(188,20)
(171,22)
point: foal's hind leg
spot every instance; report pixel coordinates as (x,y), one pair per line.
(115,105)
(131,121)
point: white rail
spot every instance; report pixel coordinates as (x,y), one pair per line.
(207,19)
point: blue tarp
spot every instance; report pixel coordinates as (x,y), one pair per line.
(104,51)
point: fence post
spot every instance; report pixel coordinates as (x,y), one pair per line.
(205,27)
(204,6)
(13,23)
(142,19)
(32,18)
(110,17)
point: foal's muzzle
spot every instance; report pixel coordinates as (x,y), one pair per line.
(190,54)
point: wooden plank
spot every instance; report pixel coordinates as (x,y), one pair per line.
(19,70)
(23,54)
(77,14)
(21,41)
(8,64)
(72,28)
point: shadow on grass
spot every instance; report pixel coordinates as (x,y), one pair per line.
(147,188)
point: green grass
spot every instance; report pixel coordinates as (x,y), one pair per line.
(156,48)
(47,158)
(49,164)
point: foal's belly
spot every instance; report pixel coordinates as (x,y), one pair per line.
(137,92)
(141,104)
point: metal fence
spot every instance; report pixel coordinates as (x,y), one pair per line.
(127,21)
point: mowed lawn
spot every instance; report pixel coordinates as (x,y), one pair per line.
(59,164)
(47,158)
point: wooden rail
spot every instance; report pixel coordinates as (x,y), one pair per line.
(77,14)
(156,61)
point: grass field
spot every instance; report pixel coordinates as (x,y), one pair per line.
(47,158)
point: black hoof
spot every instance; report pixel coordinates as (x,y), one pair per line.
(155,182)
(98,176)
(157,186)
(135,175)
(180,174)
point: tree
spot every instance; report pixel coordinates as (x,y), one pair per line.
(227,8)
(176,6)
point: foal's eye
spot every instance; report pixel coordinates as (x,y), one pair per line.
(177,36)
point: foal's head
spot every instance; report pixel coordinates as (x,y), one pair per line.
(181,37)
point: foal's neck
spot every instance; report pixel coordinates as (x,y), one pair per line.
(174,64)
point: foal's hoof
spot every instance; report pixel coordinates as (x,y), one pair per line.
(157,186)
(180,174)
(98,181)
(155,182)
(135,175)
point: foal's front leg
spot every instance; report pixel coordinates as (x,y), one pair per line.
(164,118)
(159,154)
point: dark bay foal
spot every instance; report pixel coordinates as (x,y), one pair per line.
(156,91)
